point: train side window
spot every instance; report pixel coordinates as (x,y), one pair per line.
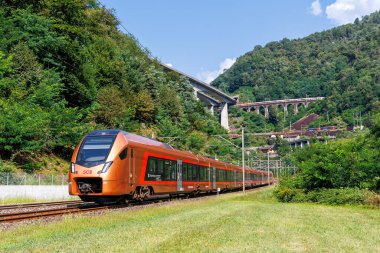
(203,174)
(151,169)
(160,167)
(191,172)
(173,170)
(184,171)
(167,170)
(201,170)
(123,154)
(131,152)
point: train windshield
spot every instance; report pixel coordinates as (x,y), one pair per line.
(94,150)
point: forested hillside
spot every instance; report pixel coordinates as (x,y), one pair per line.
(342,64)
(65,70)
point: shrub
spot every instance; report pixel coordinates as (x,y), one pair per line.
(288,194)
(341,196)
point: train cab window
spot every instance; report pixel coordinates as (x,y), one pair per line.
(123,154)
(94,150)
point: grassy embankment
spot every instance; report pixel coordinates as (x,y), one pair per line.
(254,222)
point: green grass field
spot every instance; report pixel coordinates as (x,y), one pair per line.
(254,222)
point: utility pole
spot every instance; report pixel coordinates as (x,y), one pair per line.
(242,156)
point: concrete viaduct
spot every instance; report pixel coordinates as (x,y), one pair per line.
(212,97)
(276,103)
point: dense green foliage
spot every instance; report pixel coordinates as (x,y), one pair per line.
(344,163)
(347,163)
(65,69)
(341,196)
(342,64)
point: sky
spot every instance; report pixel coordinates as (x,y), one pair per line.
(203,38)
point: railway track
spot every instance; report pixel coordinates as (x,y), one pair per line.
(72,207)
(75,207)
(41,204)
(14,217)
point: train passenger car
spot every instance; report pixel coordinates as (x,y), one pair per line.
(113,165)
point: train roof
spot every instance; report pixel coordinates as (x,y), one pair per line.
(132,137)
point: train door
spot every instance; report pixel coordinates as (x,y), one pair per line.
(235,177)
(179,175)
(213,178)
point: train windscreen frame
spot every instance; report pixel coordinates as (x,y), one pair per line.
(94,150)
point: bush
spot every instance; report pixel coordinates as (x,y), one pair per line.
(342,196)
(287,194)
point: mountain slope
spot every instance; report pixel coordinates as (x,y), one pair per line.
(65,69)
(342,64)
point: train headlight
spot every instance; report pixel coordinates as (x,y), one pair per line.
(72,167)
(106,166)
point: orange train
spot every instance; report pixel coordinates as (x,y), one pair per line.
(114,166)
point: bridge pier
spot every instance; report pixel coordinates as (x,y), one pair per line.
(211,108)
(295,108)
(266,109)
(224,116)
(285,106)
(257,109)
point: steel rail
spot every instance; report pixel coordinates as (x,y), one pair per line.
(12,217)
(39,204)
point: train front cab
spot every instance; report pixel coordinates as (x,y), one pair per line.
(98,168)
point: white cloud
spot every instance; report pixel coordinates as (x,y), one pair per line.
(209,76)
(346,11)
(316,8)
(169,65)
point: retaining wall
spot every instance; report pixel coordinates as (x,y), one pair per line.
(38,192)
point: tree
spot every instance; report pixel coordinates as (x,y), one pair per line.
(144,106)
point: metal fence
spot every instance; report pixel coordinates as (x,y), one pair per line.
(31,179)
